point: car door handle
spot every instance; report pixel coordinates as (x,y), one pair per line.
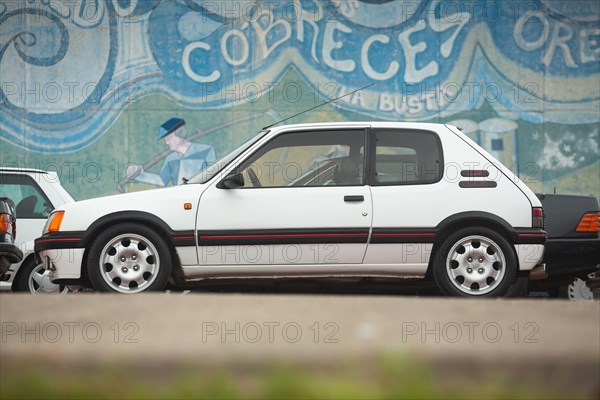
(354,198)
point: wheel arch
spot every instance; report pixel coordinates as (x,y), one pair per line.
(137,217)
(468,219)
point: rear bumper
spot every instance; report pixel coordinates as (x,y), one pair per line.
(572,256)
(529,255)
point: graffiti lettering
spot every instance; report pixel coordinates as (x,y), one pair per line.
(189,49)
(429,60)
(271,26)
(555,36)
(235,46)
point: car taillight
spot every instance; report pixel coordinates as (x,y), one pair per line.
(537,220)
(590,222)
(7,225)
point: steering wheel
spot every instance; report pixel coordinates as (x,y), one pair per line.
(253,178)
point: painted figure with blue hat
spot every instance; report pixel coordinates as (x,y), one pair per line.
(185,160)
(169,127)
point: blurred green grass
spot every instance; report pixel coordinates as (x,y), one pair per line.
(392,377)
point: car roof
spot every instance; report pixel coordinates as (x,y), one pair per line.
(23,170)
(358,124)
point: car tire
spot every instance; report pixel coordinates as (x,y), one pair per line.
(129,258)
(32,278)
(475,262)
(519,288)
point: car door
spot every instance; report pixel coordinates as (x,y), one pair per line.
(303,202)
(406,166)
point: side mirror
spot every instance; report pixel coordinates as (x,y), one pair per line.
(232,181)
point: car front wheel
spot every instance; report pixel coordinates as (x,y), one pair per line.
(129,258)
(475,261)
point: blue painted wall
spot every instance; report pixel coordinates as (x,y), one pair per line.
(86,85)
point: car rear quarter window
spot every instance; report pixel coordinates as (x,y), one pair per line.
(30,201)
(405,157)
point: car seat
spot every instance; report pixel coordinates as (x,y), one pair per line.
(26,207)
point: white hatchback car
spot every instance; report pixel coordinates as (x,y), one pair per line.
(36,194)
(373,199)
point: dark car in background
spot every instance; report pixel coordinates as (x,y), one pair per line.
(572,253)
(9,251)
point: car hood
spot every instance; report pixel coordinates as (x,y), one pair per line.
(165,203)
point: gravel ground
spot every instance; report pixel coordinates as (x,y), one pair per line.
(555,341)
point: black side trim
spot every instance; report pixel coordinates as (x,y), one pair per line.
(530,236)
(59,240)
(403,235)
(469,215)
(282,236)
(75,239)
(516,235)
(122,216)
(184,238)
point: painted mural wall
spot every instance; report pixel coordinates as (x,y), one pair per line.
(87,85)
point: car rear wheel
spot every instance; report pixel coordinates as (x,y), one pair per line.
(475,261)
(129,258)
(34,278)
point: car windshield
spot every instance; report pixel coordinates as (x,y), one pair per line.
(207,173)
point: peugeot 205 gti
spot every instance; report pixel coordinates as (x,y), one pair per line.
(373,199)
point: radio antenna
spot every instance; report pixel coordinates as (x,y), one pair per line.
(319,105)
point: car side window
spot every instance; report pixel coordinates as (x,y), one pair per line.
(30,202)
(405,157)
(312,158)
